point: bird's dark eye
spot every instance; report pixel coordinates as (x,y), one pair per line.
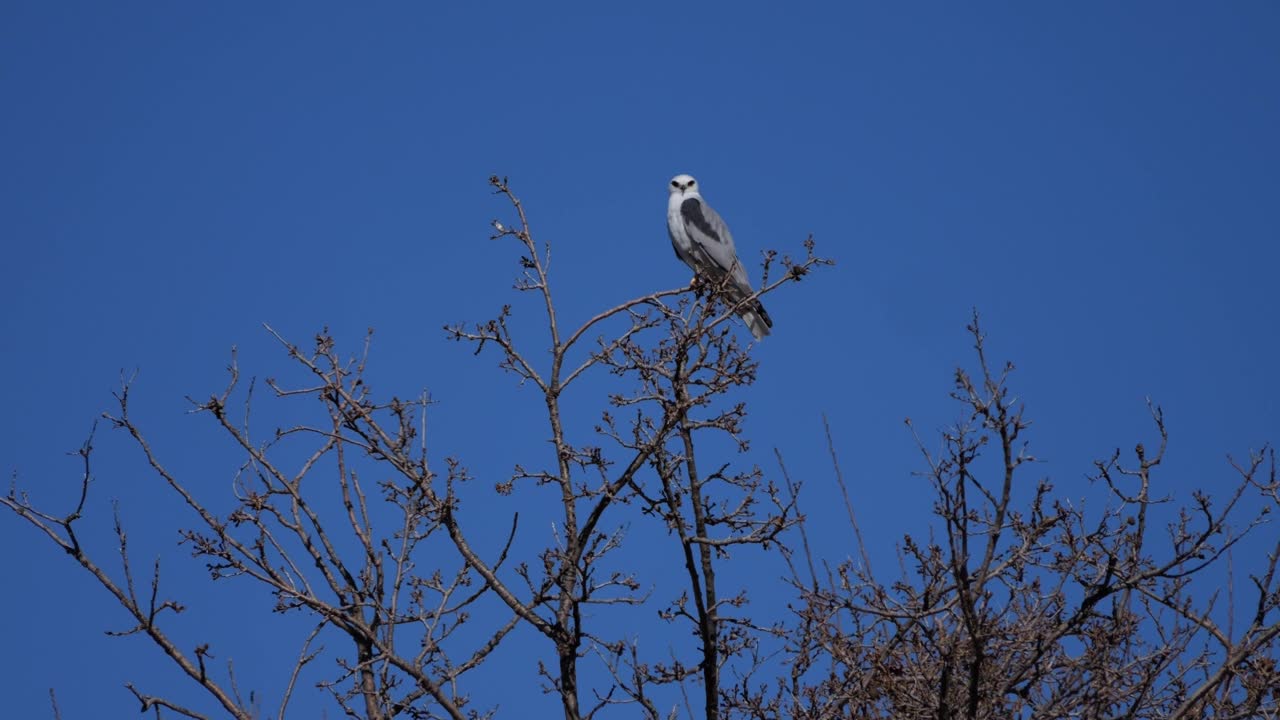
(675,184)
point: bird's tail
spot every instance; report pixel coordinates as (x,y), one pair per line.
(757,319)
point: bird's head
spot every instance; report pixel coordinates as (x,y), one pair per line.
(683,185)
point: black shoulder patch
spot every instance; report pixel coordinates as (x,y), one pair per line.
(691,211)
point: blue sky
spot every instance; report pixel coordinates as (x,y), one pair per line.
(1101,181)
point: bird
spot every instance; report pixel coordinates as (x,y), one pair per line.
(702,240)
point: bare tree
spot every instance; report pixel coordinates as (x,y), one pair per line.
(1033,607)
(377,572)
(695,361)
(1018,604)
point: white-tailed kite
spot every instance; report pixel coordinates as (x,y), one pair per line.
(703,242)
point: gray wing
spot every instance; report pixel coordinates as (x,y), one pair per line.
(712,246)
(712,243)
